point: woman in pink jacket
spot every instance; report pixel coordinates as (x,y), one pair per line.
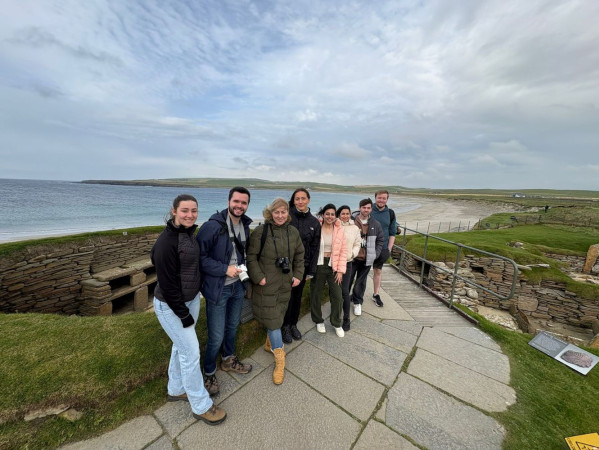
(332,259)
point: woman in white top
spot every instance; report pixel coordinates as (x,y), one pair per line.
(353,240)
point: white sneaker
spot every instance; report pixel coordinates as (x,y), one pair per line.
(340,332)
(320,328)
(357,309)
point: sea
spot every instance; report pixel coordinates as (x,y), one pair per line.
(43,208)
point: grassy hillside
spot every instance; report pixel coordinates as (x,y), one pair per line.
(531,195)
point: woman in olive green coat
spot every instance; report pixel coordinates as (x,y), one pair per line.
(275,262)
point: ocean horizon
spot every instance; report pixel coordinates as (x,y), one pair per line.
(43,208)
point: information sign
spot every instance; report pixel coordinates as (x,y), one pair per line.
(568,354)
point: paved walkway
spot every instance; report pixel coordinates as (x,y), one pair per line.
(389,383)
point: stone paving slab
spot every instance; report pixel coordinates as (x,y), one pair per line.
(474,335)
(437,421)
(262,415)
(164,443)
(174,417)
(244,378)
(226,386)
(471,387)
(372,358)
(473,356)
(409,326)
(336,380)
(264,358)
(381,414)
(377,435)
(384,334)
(390,310)
(135,434)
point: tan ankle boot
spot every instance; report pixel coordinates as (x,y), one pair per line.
(267,347)
(279,373)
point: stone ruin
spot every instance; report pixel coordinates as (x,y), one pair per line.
(547,305)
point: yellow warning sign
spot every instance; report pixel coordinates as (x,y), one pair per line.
(584,442)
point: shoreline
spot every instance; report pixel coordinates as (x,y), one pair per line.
(443,214)
(422,214)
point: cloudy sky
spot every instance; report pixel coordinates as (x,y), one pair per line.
(418,93)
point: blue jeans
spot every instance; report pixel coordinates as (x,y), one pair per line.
(184,372)
(276,338)
(223,317)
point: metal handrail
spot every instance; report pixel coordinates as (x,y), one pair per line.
(455,274)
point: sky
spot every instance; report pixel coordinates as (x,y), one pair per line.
(437,94)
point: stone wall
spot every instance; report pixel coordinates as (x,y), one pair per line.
(547,300)
(52,278)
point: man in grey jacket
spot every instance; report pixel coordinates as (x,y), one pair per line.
(372,245)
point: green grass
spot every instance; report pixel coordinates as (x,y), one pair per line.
(553,401)
(571,215)
(537,240)
(10,247)
(110,368)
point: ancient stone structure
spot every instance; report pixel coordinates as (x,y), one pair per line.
(547,300)
(591,259)
(104,275)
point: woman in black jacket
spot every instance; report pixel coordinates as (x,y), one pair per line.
(309,230)
(176,256)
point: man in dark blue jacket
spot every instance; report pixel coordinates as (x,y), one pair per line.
(223,242)
(386,217)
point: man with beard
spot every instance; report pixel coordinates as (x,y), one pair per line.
(223,242)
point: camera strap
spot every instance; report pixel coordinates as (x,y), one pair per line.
(234,240)
(272,233)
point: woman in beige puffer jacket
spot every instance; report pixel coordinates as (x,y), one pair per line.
(353,240)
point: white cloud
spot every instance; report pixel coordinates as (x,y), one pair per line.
(433,93)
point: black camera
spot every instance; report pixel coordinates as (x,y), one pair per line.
(283,263)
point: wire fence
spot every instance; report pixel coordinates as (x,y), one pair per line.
(439,227)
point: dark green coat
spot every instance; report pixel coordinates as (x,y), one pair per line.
(269,302)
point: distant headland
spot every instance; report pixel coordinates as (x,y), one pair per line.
(256,183)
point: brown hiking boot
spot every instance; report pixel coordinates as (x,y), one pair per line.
(213,416)
(211,385)
(232,364)
(177,398)
(278,374)
(267,347)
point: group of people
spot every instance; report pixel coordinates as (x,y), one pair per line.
(225,262)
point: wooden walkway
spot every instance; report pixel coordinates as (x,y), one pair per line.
(422,306)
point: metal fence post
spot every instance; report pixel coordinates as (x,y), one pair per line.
(424,259)
(455,273)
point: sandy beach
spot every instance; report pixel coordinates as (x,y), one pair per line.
(441,215)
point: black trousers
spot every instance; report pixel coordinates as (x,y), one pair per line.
(359,273)
(345,288)
(295,302)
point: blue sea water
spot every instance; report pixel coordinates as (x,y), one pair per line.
(35,208)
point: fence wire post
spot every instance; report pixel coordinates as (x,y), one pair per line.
(423,259)
(455,274)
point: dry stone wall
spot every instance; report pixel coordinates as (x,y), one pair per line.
(548,300)
(60,278)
